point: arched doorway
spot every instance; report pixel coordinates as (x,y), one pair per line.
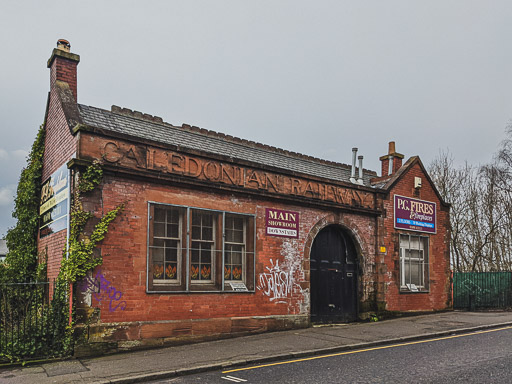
(333,263)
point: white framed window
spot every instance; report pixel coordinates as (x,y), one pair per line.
(199,250)
(203,246)
(166,245)
(234,248)
(414,268)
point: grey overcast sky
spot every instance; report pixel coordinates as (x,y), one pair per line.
(316,77)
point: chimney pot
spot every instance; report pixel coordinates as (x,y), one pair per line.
(63,45)
(391,162)
(391,148)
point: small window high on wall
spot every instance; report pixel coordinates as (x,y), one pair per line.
(414,271)
(199,250)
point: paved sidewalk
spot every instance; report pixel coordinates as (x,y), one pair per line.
(168,362)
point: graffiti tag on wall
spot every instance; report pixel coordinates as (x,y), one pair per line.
(101,289)
(276,283)
(280,281)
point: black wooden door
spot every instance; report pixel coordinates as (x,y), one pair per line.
(333,263)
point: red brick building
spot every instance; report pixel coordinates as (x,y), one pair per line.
(223,236)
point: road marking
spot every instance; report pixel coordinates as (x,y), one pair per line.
(233,378)
(367,350)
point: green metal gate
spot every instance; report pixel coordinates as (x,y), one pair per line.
(480,290)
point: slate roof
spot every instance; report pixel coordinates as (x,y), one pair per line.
(211,142)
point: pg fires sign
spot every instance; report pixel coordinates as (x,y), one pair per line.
(281,223)
(415,215)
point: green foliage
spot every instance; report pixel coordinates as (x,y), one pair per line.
(80,256)
(90,178)
(41,269)
(25,338)
(31,327)
(21,260)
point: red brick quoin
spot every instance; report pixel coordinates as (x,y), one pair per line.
(147,161)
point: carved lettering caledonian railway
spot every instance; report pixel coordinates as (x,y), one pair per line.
(151,158)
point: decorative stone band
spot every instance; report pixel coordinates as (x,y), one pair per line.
(145,157)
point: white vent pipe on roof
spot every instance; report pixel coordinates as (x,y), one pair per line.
(390,170)
(360,178)
(353,173)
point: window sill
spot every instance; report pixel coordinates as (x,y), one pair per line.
(152,292)
(407,290)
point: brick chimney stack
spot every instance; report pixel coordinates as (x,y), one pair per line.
(63,65)
(391,162)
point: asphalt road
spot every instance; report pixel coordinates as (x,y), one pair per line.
(481,357)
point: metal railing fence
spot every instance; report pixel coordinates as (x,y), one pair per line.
(31,325)
(482,290)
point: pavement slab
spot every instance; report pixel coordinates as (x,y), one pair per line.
(64,368)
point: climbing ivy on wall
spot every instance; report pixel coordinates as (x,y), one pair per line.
(80,256)
(21,264)
(21,260)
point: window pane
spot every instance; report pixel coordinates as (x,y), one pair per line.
(415,242)
(229,236)
(194,272)
(159,230)
(236,258)
(196,233)
(171,244)
(159,214)
(415,274)
(206,272)
(171,254)
(227,272)
(228,254)
(157,254)
(158,242)
(237,272)
(172,230)
(194,252)
(207,219)
(207,233)
(414,254)
(171,271)
(158,271)
(407,271)
(173,216)
(239,236)
(206,255)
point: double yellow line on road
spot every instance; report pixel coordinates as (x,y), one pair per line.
(367,350)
